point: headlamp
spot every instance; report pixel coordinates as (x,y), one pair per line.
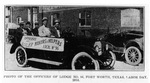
(98,47)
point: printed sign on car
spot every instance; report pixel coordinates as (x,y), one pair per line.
(43,43)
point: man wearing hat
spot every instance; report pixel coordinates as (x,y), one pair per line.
(29,28)
(35,30)
(43,30)
(20,32)
(56,29)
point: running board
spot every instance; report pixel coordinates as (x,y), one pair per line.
(45,61)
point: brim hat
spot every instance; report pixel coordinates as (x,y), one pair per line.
(21,23)
(44,18)
(36,23)
(57,21)
(28,23)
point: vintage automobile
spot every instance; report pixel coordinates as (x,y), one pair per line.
(66,52)
(128,44)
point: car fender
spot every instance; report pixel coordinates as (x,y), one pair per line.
(81,48)
(87,49)
(13,48)
(136,42)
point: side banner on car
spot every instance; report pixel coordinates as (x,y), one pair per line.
(43,43)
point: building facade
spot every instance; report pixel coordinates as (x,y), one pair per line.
(92,21)
(16,14)
(95,21)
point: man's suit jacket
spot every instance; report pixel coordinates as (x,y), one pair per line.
(35,32)
(29,32)
(54,32)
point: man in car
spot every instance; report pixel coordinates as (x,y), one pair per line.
(29,28)
(44,31)
(20,31)
(35,30)
(56,29)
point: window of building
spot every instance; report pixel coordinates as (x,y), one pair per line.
(29,15)
(7,14)
(35,16)
(85,19)
(130,18)
(54,17)
(19,19)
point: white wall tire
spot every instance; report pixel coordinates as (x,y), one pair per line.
(133,56)
(113,59)
(21,56)
(78,61)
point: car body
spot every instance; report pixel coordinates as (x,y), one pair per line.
(66,52)
(10,30)
(124,42)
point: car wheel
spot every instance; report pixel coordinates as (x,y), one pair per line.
(83,61)
(133,55)
(21,56)
(109,60)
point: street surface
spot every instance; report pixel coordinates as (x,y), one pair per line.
(10,64)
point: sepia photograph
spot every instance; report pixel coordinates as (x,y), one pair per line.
(74,38)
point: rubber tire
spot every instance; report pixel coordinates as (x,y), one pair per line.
(26,60)
(139,54)
(114,60)
(97,67)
